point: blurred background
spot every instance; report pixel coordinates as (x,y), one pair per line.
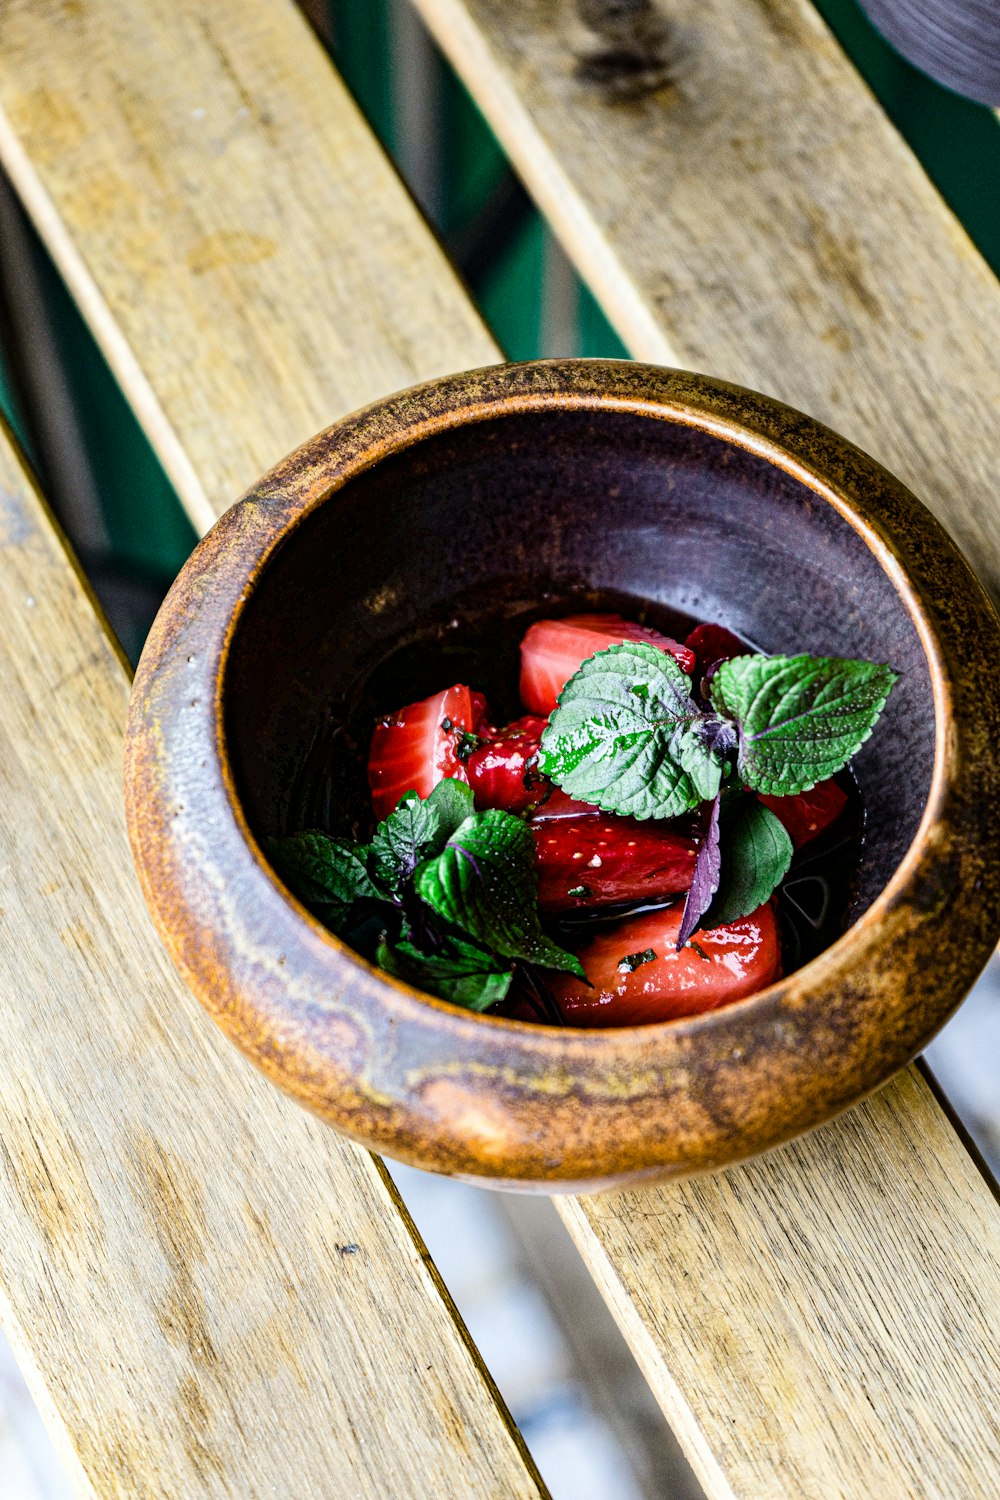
(571,1383)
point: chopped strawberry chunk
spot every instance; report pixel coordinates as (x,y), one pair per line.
(416,747)
(630,989)
(559,804)
(712,643)
(552,650)
(585,861)
(481,716)
(811,813)
(502,771)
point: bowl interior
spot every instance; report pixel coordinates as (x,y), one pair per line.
(424,569)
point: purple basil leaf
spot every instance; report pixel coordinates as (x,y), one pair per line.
(705,882)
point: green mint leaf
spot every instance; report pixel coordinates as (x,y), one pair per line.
(484,882)
(633,961)
(461,973)
(608,741)
(417,829)
(756,852)
(403,839)
(465,743)
(800,718)
(328,875)
(452,801)
(702,761)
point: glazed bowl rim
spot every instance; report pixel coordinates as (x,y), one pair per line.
(512,1103)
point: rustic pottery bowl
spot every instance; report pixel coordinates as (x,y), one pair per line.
(480,495)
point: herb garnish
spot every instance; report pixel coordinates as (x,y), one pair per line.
(453,893)
(629,736)
(633,961)
(446,897)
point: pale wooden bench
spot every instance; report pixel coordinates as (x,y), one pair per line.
(820,1323)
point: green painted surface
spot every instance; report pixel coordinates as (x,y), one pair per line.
(10,406)
(149,531)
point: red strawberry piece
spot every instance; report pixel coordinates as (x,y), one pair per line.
(416,747)
(503,771)
(481,716)
(811,813)
(552,650)
(585,861)
(713,969)
(558,804)
(712,643)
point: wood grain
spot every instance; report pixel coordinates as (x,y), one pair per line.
(175,1261)
(760,220)
(824,1321)
(225,220)
(210,1292)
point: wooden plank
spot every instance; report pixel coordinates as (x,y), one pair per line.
(894,1190)
(239,244)
(823,1321)
(210,1293)
(760,219)
(174,1265)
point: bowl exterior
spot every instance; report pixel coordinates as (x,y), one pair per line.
(512,1105)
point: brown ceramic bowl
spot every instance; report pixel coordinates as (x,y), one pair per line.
(482,494)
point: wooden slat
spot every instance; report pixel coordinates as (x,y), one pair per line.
(237,241)
(761,220)
(823,1322)
(174,1252)
(211,1294)
(847,1232)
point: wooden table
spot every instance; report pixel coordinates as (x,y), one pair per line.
(822,1322)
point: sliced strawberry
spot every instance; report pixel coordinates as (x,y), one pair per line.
(587,861)
(415,748)
(502,771)
(712,643)
(558,804)
(481,716)
(713,969)
(552,650)
(809,814)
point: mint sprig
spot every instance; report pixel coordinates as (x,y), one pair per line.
(484,882)
(417,828)
(756,852)
(610,741)
(328,875)
(460,972)
(628,735)
(800,718)
(453,894)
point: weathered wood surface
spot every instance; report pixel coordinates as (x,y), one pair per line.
(820,1322)
(171,1225)
(760,219)
(235,237)
(211,1293)
(824,1321)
